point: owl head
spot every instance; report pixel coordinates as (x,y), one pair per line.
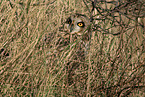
(77,24)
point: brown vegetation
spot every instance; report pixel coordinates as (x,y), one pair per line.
(114,65)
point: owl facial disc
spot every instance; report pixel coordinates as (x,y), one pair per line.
(76,24)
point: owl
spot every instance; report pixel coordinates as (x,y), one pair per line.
(79,28)
(77,24)
(72,43)
(76,27)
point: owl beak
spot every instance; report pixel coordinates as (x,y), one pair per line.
(71,27)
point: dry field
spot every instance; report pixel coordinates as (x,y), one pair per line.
(30,66)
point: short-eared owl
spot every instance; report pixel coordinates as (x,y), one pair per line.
(72,43)
(77,24)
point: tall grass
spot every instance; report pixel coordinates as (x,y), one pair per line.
(114,65)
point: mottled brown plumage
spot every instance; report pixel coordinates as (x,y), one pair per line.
(78,27)
(72,44)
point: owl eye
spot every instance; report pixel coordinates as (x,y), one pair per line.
(81,24)
(69,21)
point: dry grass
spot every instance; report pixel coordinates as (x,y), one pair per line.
(113,67)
